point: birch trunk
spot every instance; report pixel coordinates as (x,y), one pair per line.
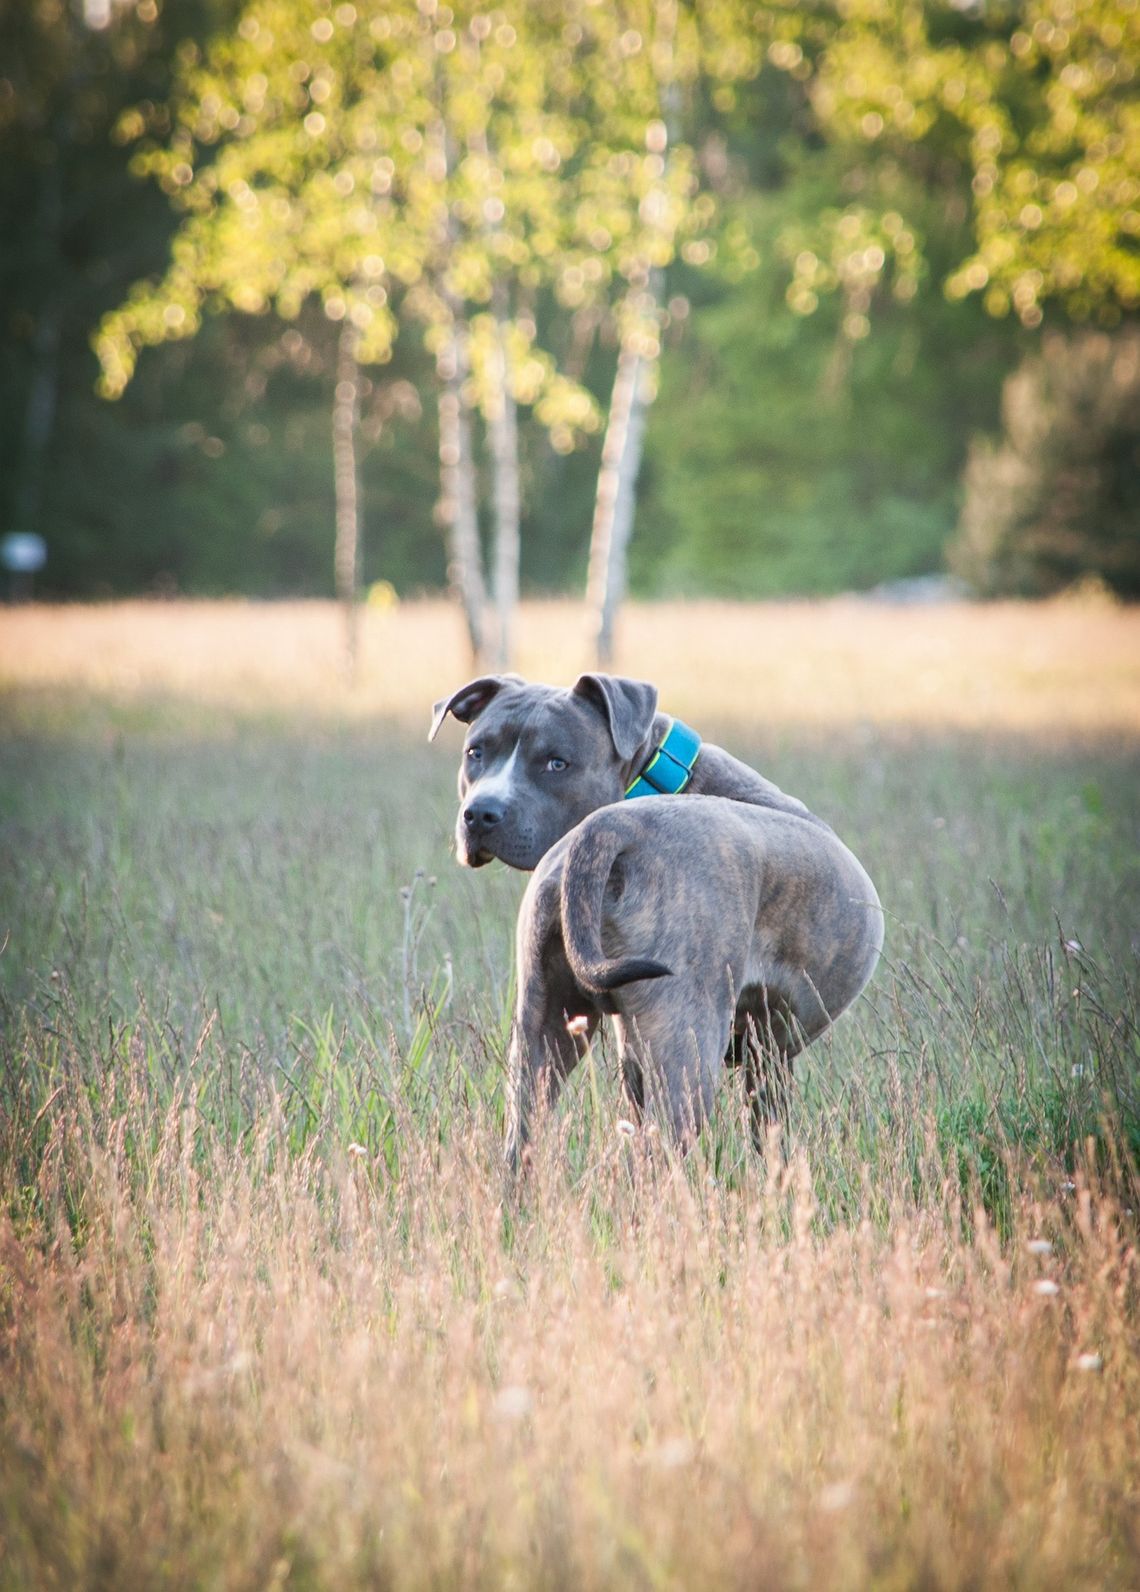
(504,440)
(457,505)
(614,502)
(636,380)
(346,557)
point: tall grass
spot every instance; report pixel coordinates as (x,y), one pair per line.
(260,1366)
(269,1315)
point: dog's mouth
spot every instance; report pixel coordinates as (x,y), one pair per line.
(470,856)
(512,850)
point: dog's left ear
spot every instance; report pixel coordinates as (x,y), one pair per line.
(469,701)
(628,705)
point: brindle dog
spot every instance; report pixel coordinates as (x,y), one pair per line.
(726,923)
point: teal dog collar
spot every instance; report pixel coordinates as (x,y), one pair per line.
(670,768)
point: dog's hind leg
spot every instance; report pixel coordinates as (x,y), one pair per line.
(672,1050)
(765,1041)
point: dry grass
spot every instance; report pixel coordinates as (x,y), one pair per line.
(268,1317)
(1009,667)
(276,1370)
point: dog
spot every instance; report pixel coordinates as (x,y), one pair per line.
(721,913)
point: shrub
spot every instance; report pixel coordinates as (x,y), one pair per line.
(1058,499)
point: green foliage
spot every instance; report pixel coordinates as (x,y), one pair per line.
(1035,105)
(355,157)
(841,169)
(181,492)
(1058,498)
(792,451)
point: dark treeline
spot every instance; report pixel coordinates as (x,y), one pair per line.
(830,366)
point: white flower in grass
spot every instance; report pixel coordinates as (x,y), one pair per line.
(672,1453)
(1039,1246)
(626,1128)
(577,1026)
(512,1403)
(1046,1287)
(357,1152)
(1089,1362)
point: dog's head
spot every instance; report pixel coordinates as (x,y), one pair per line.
(538,758)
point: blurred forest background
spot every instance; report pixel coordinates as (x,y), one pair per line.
(849,290)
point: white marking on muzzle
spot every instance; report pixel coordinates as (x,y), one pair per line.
(498,784)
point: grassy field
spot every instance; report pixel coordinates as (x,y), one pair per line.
(267,1317)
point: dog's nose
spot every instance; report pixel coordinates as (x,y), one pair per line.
(483,815)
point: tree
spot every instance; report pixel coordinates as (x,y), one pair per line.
(1059,498)
(640,195)
(1032,108)
(402,155)
(66,72)
(272,156)
(500,128)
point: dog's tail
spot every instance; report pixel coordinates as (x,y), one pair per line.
(585,875)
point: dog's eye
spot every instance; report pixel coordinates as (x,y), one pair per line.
(555,765)
(474,754)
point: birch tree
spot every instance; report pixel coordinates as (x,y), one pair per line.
(279,159)
(404,154)
(501,130)
(645,199)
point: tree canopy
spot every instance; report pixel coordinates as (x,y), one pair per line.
(802,212)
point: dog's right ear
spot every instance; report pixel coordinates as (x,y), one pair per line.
(469,701)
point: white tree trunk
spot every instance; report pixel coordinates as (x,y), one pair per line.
(614,502)
(504,440)
(636,380)
(346,412)
(457,505)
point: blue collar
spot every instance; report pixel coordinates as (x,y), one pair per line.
(670,768)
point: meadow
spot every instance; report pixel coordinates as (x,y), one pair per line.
(269,1315)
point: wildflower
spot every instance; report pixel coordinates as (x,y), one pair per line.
(626,1128)
(1046,1287)
(357,1152)
(673,1453)
(577,1025)
(1039,1246)
(512,1403)
(1089,1362)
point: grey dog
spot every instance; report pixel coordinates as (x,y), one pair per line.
(710,929)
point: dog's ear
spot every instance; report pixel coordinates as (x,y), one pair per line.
(628,706)
(469,701)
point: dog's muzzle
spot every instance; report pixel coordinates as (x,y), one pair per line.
(481,819)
